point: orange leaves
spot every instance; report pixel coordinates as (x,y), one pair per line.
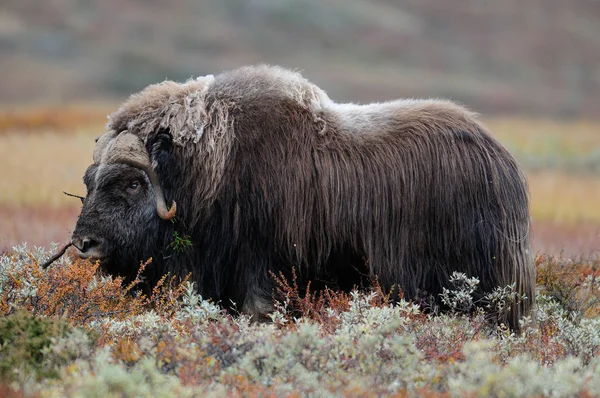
(241,386)
(166,293)
(574,284)
(352,344)
(75,291)
(71,290)
(320,306)
(323,306)
(127,351)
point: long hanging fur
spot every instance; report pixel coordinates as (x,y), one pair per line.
(269,174)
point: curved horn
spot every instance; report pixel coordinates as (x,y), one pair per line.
(161,204)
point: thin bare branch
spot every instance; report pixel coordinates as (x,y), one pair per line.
(56,256)
(82,198)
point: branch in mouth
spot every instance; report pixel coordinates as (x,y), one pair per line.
(55,257)
(75,196)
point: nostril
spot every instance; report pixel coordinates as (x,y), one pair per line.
(85,244)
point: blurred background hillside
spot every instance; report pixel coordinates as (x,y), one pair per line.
(534,57)
(530,67)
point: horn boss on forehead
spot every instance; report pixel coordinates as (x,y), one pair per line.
(101,144)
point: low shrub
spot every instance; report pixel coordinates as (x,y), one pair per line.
(24,340)
(71,331)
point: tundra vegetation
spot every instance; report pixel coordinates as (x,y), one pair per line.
(72,331)
(68,331)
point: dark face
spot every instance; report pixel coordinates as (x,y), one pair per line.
(118,223)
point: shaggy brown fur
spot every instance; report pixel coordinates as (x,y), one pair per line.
(269,174)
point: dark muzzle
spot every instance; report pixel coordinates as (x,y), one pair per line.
(88,246)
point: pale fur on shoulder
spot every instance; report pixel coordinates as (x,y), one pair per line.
(399,115)
(167,105)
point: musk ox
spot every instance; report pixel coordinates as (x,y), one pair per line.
(256,170)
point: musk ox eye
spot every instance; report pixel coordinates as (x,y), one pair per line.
(134,187)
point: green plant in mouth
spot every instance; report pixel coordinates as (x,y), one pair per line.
(180,243)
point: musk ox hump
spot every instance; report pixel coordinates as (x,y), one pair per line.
(260,82)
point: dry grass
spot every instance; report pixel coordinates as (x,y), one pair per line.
(62,118)
(36,168)
(565,198)
(539,136)
(37,226)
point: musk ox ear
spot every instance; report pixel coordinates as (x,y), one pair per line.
(159,147)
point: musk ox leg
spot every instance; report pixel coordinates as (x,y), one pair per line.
(257,306)
(252,290)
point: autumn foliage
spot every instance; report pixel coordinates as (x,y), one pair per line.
(72,291)
(88,332)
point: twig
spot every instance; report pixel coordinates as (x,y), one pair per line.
(75,196)
(56,256)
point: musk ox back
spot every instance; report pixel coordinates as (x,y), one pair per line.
(262,172)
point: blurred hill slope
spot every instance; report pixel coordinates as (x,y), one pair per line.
(512,56)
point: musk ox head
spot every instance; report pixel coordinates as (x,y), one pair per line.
(125,217)
(124,204)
